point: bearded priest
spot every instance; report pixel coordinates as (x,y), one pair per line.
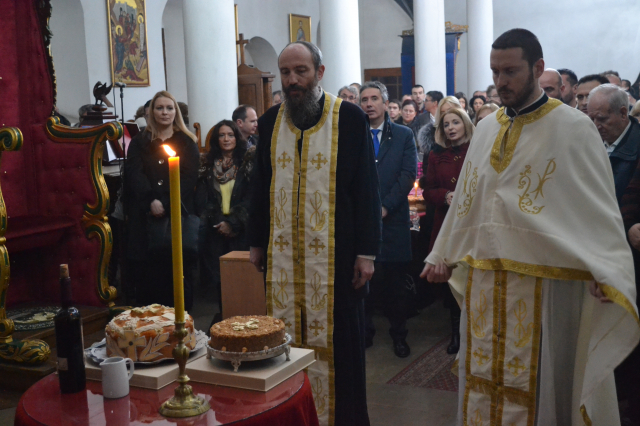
(315,225)
(534,246)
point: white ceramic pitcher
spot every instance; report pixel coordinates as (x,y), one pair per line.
(115,378)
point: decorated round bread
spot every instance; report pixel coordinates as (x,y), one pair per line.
(247,334)
(146,334)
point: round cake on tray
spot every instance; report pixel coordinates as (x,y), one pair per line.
(146,334)
(247,334)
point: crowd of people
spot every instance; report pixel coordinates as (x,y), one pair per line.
(380,145)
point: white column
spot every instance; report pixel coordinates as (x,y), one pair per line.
(429,38)
(210,54)
(480,38)
(340,29)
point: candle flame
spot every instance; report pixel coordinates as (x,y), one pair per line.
(171,152)
(415,185)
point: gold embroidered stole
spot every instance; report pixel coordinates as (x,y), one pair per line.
(502,348)
(301,247)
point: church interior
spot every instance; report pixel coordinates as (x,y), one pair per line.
(75,78)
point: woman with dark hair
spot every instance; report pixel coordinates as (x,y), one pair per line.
(148,199)
(475,103)
(462,98)
(408,113)
(223,200)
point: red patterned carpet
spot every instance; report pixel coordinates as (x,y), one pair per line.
(432,370)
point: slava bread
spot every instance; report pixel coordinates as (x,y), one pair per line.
(146,334)
(247,334)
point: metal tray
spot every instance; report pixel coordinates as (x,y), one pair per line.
(237,358)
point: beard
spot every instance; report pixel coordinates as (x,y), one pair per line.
(517,99)
(303,108)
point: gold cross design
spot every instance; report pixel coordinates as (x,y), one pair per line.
(515,366)
(479,355)
(284,160)
(317,246)
(281,243)
(315,327)
(130,342)
(319,161)
(286,322)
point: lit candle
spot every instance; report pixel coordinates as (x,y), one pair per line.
(176,233)
(415,188)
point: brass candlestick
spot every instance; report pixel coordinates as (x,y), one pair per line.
(184,403)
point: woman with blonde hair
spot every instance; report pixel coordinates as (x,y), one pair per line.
(426,135)
(485,110)
(147,199)
(453,133)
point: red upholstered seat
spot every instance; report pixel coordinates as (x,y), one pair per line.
(29,232)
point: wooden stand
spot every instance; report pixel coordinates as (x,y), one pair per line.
(243,290)
(254,88)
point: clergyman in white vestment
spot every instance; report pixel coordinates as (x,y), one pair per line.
(534,247)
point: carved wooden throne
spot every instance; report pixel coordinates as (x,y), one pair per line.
(56,197)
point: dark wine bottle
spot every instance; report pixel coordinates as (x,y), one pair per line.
(69,340)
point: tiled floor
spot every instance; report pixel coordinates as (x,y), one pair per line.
(388,404)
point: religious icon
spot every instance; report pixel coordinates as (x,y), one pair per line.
(299,28)
(128,42)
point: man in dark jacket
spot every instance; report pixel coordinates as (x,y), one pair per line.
(395,151)
(608,108)
(620,132)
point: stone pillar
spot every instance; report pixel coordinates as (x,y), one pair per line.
(429,37)
(480,38)
(340,29)
(210,54)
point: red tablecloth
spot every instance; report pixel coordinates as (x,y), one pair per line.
(289,403)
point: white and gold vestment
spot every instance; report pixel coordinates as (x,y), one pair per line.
(533,221)
(300,273)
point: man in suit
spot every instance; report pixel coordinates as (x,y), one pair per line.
(395,151)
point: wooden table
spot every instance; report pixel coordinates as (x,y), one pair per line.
(289,403)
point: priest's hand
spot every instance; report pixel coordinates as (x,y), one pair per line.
(256,255)
(362,272)
(440,273)
(634,236)
(157,209)
(597,292)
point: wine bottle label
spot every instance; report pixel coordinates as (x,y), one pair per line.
(63,364)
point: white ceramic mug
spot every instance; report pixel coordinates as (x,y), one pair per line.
(115,378)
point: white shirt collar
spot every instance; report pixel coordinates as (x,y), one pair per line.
(612,147)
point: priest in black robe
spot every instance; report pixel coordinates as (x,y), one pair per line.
(357,218)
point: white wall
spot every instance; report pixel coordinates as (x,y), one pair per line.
(70,57)
(586,36)
(174,50)
(381,24)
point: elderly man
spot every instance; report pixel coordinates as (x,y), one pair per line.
(585,85)
(349,94)
(570,85)
(613,77)
(608,108)
(551,83)
(315,224)
(395,151)
(533,226)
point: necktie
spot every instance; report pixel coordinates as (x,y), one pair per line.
(376,141)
